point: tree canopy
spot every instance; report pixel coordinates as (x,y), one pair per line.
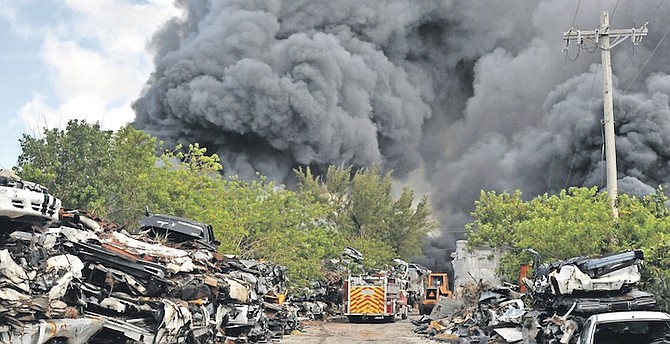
(575,222)
(116,175)
(367,215)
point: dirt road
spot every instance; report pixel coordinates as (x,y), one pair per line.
(340,331)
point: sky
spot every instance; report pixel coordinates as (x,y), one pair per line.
(68,59)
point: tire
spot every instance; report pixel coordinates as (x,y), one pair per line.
(390,318)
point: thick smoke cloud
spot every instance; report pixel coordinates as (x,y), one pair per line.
(454,96)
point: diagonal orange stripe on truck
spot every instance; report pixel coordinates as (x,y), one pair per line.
(367,300)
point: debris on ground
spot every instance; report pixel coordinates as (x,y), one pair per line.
(559,299)
(66,276)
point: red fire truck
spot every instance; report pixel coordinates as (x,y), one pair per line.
(374,297)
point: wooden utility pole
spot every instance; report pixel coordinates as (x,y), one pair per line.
(606,39)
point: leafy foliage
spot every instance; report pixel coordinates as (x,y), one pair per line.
(365,213)
(67,161)
(116,175)
(576,222)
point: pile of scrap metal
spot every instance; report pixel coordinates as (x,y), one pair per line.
(324,297)
(560,297)
(319,300)
(71,278)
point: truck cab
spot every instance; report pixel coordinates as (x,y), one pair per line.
(626,327)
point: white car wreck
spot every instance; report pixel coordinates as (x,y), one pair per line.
(25,201)
(647,327)
(614,272)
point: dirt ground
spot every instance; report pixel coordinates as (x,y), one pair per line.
(340,331)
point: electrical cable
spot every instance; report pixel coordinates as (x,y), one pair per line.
(579,49)
(574,18)
(656,11)
(630,84)
(614,10)
(652,53)
(590,51)
(647,62)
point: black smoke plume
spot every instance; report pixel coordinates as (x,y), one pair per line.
(454,96)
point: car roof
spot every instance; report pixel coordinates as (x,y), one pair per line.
(173,218)
(631,315)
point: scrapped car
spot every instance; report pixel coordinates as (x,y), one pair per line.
(25,201)
(590,304)
(179,230)
(614,272)
(591,285)
(643,327)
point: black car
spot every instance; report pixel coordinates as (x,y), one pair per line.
(179,230)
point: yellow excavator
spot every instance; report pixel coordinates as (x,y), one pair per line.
(438,285)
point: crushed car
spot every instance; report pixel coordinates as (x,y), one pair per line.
(26,202)
(561,299)
(179,230)
(596,284)
(74,278)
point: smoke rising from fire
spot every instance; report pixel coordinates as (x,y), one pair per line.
(454,96)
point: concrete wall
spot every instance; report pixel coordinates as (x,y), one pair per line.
(482,263)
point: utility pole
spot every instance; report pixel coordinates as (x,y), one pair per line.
(606,39)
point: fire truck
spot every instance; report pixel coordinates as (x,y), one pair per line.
(374,297)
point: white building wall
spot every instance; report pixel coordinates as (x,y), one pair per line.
(482,264)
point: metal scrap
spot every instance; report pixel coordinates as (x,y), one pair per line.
(559,299)
(71,277)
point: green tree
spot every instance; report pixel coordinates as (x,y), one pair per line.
(496,218)
(120,173)
(67,161)
(117,174)
(129,176)
(365,213)
(573,223)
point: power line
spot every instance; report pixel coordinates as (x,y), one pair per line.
(653,18)
(576,11)
(630,84)
(587,49)
(648,59)
(656,11)
(453,230)
(614,10)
